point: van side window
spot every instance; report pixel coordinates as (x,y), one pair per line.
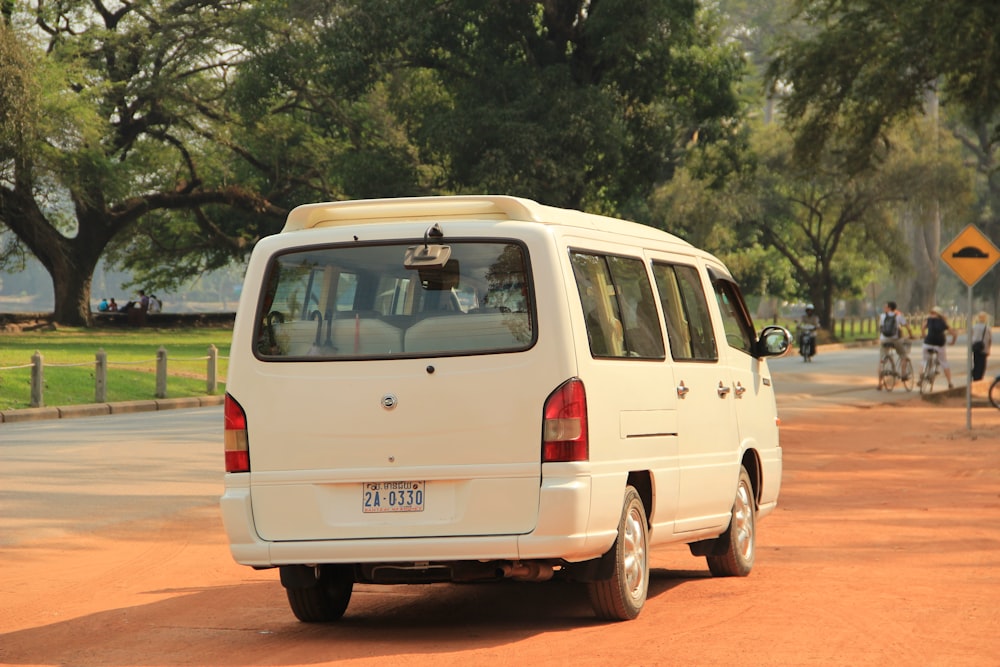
(618,306)
(735,316)
(689,326)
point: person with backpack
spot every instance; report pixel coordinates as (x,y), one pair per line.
(935,332)
(890,330)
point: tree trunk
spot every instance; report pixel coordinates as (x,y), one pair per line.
(71,286)
(70,261)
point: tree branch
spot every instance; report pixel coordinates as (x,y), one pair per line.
(132,209)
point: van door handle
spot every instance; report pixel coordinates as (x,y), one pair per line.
(682,390)
(723,390)
(740,389)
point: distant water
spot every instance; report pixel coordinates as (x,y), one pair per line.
(35,304)
(43,305)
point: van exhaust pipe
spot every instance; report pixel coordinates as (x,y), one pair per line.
(530,571)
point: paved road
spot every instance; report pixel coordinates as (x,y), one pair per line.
(847,376)
(61,476)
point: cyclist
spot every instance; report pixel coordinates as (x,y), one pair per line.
(890,332)
(935,332)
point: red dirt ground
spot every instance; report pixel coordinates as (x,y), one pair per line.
(885,550)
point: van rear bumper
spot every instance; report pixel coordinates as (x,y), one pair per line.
(561,532)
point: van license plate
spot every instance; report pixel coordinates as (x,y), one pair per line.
(392,497)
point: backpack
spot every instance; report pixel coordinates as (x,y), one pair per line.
(890,328)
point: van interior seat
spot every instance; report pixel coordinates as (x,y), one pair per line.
(295,338)
(364,335)
(470,332)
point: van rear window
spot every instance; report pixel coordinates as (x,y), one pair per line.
(376,301)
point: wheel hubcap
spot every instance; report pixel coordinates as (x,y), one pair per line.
(635,553)
(743,527)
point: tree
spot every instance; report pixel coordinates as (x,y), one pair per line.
(982,148)
(580,104)
(864,64)
(939,191)
(704,214)
(173,134)
(861,67)
(116,103)
(827,225)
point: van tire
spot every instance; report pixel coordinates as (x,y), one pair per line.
(325,601)
(621,596)
(735,548)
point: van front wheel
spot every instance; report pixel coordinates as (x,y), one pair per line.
(621,596)
(733,555)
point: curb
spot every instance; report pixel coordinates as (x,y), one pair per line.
(98,409)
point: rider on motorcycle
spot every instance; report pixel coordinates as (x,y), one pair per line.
(807,331)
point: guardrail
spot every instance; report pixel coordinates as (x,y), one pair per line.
(101,364)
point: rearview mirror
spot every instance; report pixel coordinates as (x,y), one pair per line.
(427,256)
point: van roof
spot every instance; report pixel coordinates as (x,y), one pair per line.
(459,207)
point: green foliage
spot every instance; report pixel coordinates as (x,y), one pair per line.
(815,233)
(578,104)
(863,65)
(19,104)
(704,216)
(813,215)
(173,135)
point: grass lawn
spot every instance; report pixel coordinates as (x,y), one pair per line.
(69,363)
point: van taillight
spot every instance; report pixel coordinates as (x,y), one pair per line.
(564,431)
(235,437)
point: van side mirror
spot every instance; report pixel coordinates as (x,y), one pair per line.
(774,341)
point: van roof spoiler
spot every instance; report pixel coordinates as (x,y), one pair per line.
(460,207)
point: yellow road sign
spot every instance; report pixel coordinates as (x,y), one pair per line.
(971,255)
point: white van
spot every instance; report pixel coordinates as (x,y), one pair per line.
(469,388)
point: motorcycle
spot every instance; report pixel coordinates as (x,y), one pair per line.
(807,342)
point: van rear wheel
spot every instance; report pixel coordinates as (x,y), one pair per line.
(326,599)
(621,596)
(733,555)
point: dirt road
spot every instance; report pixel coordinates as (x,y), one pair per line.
(885,550)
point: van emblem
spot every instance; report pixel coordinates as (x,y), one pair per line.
(389,401)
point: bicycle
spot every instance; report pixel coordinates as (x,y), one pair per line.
(891,367)
(994,393)
(932,367)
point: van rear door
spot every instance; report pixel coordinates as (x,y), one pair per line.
(395,450)
(389,401)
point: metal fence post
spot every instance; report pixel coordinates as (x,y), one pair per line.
(213,364)
(101,377)
(37,381)
(161,373)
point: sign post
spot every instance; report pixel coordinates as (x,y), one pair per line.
(970,255)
